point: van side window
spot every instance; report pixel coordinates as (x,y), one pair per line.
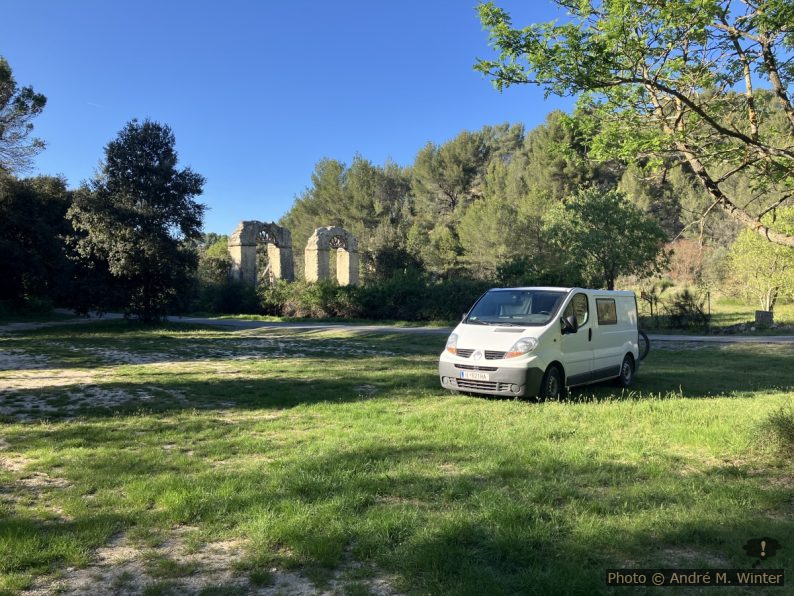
(578,306)
(607,313)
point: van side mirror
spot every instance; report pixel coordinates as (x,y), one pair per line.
(463,317)
(569,324)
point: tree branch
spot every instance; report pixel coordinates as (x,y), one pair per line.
(774,77)
(752,114)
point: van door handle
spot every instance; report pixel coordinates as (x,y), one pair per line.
(590,334)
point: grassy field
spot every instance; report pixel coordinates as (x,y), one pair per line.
(219,462)
(725,312)
(275,319)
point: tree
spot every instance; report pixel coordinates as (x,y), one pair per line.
(603,236)
(763,271)
(659,78)
(139,215)
(34,264)
(361,198)
(17,108)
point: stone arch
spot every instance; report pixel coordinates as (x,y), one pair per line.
(317,255)
(242,249)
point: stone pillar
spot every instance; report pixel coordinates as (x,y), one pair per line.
(346,267)
(242,250)
(317,268)
(281,264)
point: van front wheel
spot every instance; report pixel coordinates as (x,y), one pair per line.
(626,378)
(552,387)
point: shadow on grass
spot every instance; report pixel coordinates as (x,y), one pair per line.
(166,392)
(445,518)
(32,544)
(116,343)
(287,383)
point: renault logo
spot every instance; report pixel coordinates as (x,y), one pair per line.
(477,355)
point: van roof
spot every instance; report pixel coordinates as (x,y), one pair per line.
(559,289)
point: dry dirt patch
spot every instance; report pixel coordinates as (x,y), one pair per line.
(123,567)
(42,378)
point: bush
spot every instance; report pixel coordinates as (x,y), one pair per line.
(32,306)
(687,309)
(408,296)
(230,297)
(404,296)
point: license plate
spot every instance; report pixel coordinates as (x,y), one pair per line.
(474,375)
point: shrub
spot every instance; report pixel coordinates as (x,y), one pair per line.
(227,297)
(405,296)
(686,309)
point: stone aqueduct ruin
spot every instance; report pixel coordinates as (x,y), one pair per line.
(249,236)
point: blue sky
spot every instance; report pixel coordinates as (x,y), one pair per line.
(258,92)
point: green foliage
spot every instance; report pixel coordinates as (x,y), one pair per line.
(215,291)
(670,82)
(602,236)
(652,191)
(687,309)
(18,106)
(762,271)
(489,236)
(367,200)
(404,296)
(34,261)
(139,217)
(465,207)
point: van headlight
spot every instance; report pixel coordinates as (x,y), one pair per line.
(452,344)
(522,347)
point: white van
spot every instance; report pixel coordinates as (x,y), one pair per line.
(538,341)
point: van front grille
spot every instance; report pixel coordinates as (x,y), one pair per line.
(492,355)
(482,385)
(464,353)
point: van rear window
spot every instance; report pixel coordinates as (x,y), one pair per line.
(607,313)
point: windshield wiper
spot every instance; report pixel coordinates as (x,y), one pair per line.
(477,322)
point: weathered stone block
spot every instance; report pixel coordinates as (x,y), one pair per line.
(242,250)
(764,318)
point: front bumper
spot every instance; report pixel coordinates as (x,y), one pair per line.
(516,382)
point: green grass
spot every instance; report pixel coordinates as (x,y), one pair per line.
(336,456)
(725,312)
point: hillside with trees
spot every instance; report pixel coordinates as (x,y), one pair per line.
(672,171)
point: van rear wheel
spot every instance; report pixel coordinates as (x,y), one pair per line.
(626,378)
(552,386)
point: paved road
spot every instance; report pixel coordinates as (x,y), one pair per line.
(248,324)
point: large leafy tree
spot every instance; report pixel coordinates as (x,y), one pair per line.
(446,180)
(18,106)
(603,235)
(140,216)
(366,199)
(763,271)
(34,264)
(674,79)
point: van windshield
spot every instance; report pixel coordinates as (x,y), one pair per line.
(515,307)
